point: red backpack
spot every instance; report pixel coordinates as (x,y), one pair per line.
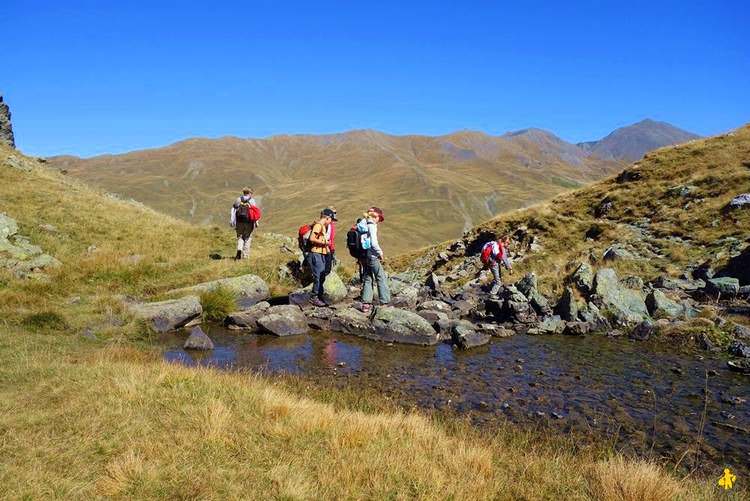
(254,214)
(486,255)
(303,237)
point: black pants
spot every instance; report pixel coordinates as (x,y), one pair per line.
(328,266)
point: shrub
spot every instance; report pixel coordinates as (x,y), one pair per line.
(217,303)
(45,320)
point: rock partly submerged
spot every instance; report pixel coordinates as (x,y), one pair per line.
(248,289)
(165,316)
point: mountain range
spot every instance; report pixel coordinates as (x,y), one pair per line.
(432,188)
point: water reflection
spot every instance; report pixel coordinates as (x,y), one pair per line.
(649,397)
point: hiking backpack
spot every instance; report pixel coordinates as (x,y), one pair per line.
(243,212)
(254,214)
(486,255)
(303,237)
(358,241)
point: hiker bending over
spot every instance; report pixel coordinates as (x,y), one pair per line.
(319,248)
(372,259)
(244,219)
(494,253)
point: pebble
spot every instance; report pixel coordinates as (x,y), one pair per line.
(520,360)
(557,415)
(342,364)
(677,370)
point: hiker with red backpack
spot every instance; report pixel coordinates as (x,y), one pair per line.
(494,253)
(363,245)
(317,247)
(244,218)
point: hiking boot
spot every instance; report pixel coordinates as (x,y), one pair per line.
(366,308)
(238,256)
(316,301)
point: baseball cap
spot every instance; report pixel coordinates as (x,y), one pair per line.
(329,213)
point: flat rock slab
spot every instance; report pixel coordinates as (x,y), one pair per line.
(403,326)
(284,320)
(248,289)
(198,340)
(165,316)
(465,336)
(248,319)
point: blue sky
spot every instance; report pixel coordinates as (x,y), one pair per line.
(93,77)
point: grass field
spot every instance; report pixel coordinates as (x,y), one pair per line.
(83,418)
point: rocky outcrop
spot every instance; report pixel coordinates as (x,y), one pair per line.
(19,255)
(198,340)
(248,289)
(6,127)
(722,287)
(165,316)
(567,307)
(248,319)
(627,305)
(661,306)
(284,320)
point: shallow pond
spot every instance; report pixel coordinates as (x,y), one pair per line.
(645,397)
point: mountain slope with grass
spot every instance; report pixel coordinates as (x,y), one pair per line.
(630,143)
(432,188)
(671,212)
(88,409)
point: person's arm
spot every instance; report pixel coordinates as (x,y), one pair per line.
(374,244)
(233,217)
(318,236)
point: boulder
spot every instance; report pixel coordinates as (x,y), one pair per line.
(686,285)
(465,335)
(334,289)
(495,330)
(741,332)
(627,305)
(567,307)
(406,297)
(320,318)
(198,340)
(577,328)
(247,319)
(740,202)
(433,317)
(722,287)
(8,226)
(352,321)
(551,325)
(604,207)
(583,278)
(592,316)
(739,349)
(633,282)
(402,326)
(464,307)
(527,284)
(617,252)
(539,303)
(642,331)
(434,282)
(738,267)
(284,320)
(248,289)
(435,305)
(660,306)
(164,316)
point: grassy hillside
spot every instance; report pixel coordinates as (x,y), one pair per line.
(82,418)
(431,188)
(668,210)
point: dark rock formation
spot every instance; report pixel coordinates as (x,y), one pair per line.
(6,127)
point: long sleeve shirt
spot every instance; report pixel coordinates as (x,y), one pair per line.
(236,205)
(331,236)
(372,227)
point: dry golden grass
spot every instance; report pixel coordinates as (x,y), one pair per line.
(82,419)
(718,168)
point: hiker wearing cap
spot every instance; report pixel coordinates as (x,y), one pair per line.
(331,236)
(493,254)
(316,258)
(244,218)
(373,259)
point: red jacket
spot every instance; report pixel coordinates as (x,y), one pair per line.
(332,236)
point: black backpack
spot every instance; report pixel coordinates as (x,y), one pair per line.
(243,212)
(354,242)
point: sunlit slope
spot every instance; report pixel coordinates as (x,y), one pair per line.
(432,188)
(669,210)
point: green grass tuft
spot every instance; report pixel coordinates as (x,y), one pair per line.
(218,303)
(45,320)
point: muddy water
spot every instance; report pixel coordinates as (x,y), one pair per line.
(645,397)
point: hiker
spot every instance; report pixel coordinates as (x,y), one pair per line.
(372,259)
(331,237)
(319,248)
(494,253)
(244,219)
